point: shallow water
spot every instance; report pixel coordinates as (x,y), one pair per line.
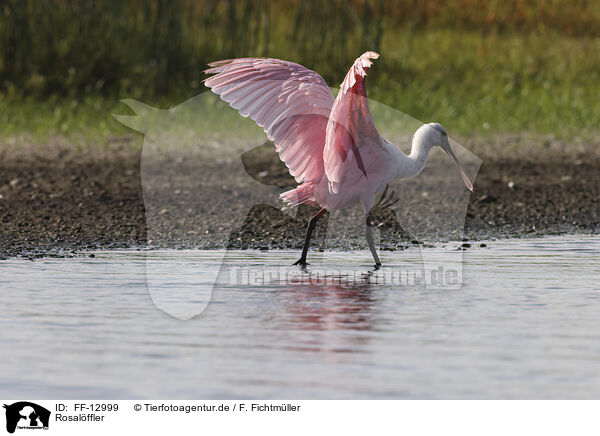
(525,324)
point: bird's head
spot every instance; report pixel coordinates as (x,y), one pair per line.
(437,136)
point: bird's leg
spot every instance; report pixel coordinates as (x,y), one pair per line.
(370,240)
(311,227)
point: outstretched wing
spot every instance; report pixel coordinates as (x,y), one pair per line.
(352,141)
(291,103)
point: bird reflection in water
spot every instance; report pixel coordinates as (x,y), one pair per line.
(335,312)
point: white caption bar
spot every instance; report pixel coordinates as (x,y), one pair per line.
(278,417)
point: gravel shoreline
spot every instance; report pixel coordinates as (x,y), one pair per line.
(58,199)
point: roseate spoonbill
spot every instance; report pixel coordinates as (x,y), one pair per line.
(330,145)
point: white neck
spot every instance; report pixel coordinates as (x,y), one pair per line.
(421,146)
(412,165)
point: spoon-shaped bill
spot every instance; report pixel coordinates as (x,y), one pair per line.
(461,170)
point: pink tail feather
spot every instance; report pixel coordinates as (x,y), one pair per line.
(302,194)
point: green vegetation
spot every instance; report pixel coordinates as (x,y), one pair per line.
(476,67)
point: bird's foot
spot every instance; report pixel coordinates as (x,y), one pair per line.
(386,201)
(301,262)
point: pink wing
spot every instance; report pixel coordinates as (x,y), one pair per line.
(291,103)
(351,130)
